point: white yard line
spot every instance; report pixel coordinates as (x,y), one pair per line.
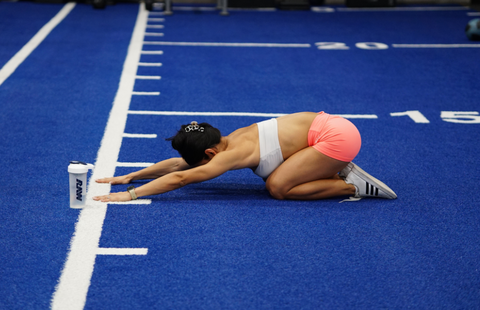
(436,45)
(150,64)
(122,251)
(406,8)
(137,135)
(148,77)
(223,44)
(180,113)
(26,50)
(143,165)
(146,93)
(152,52)
(72,288)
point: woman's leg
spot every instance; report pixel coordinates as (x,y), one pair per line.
(308,175)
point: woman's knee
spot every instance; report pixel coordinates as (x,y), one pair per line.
(276,188)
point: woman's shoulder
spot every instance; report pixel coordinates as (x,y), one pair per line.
(244,143)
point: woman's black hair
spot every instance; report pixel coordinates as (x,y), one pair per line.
(191,142)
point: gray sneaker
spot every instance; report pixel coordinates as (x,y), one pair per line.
(365,184)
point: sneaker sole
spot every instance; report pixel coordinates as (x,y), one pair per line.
(367,177)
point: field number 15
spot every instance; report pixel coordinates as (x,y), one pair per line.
(447,116)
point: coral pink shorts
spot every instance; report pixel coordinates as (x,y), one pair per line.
(335,137)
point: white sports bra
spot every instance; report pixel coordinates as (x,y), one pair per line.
(270,152)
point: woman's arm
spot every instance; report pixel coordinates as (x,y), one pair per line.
(220,164)
(154,171)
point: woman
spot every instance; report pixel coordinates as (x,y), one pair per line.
(300,156)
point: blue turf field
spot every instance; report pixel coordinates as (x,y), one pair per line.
(226,244)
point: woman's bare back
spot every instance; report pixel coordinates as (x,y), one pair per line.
(292,135)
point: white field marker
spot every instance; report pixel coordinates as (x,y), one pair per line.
(141,136)
(249,114)
(142,165)
(132,202)
(155,26)
(122,251)
(72,288)
(473,13)
(418,8)
(146,93)
(150,64)
(38,38)
(152,52)
(219,44)
(156,19)
(156,13)
(148,77)
(154,34)
(436,45)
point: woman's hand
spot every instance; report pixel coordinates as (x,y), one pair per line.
(122,196)
(124,179)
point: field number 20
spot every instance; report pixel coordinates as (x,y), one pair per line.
(447,116)
(343,46)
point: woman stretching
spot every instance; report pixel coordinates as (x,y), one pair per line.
(300,156)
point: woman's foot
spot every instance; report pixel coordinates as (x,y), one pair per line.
(366,185)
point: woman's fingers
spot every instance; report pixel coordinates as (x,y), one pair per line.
(104,180)
(113,181)
(104,198)
(122,196)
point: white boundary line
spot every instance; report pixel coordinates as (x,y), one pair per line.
(28,48)
(71,291)
(249,114)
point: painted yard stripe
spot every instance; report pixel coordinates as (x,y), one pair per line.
(72,288)
(146,93)
(193,8)
(156,13)
(211,8)
(321,9)
(360,116)
(418,8)
(178,113)
(473,13)
(154,34)
(152,52)
(132,202)
(138,135)
(156,26)
(34,42)
(148,77)
(219,44)
(122,251)
(249,114)
(254,9)
(436,45)
(142,165)
(150,64)
(156,19)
